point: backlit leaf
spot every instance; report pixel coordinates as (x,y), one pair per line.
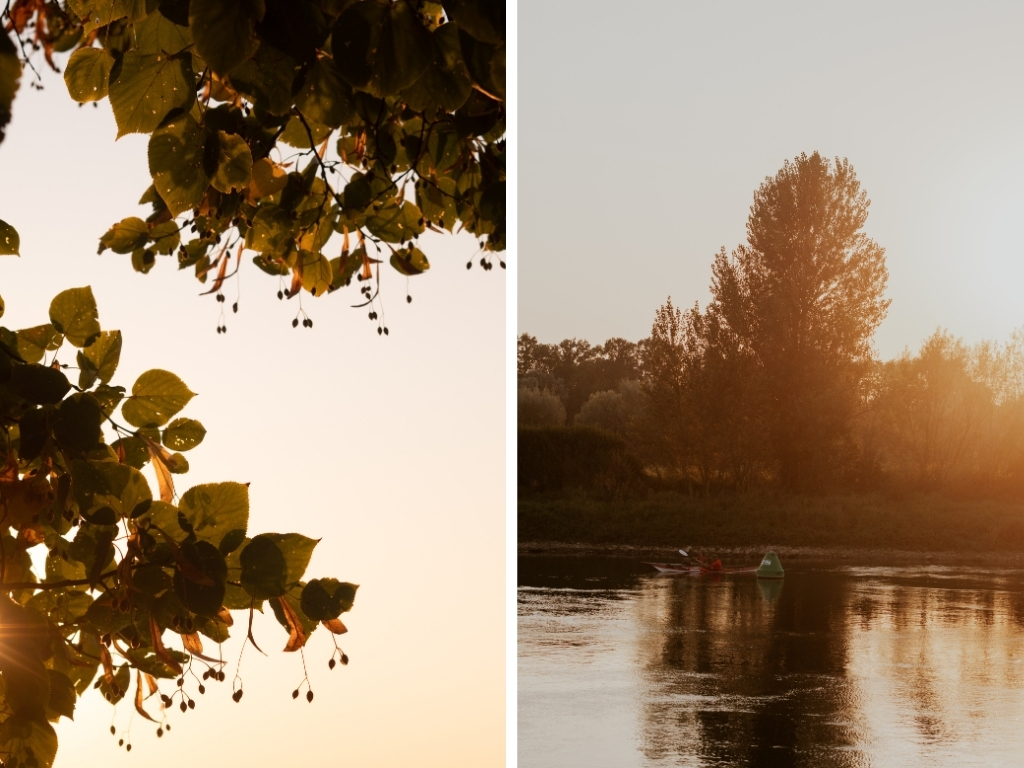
(73,313)
(224,31)
(87,74)
(176,164)
(149,86)
(183,434)
(62,695)
(156,396)
(234,163)
(325,98)
(156,33)
(204,599)
(99,360)
(410,261)
(315,269)
(10,243)
(125,236)
(216,509)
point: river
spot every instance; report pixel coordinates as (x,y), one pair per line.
(836,665)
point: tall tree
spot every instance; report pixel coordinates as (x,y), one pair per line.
(805,295)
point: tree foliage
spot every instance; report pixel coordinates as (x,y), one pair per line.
(135,586)
(276,126)
(804,296)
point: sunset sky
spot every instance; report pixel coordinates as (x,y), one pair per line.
(390,449)
(646,131)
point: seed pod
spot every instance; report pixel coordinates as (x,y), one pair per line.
(120,742)
(159,732)
(113,730)
(128,748)
(331,664)
(295,693)
(202,688)
(191,703)
(183,707)
(237,695)
(309,696)
(344,659)
(295,323)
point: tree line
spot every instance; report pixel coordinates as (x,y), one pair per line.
(776,384)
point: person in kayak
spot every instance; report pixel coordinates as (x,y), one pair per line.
(714,565)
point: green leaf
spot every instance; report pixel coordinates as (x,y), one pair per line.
(446,83)
(204,599)
(28,741)
(234,163)
(176,164)
(99,484)
(183,434)
(38,384)
(382,49)
(483,20)
(156,33)
(297,549)
(78,428)
(316,272)
(410,261)
(125,236)
(73,313)
(271,230)
(216,509)
(165,237)
(325,98)
(10,243)
(403,51)
(267,80)
(62,695)
(436,199)
(35,342)
(264,569)
(156,396)
(10,75)
(326,599)
(295,134)
(149,86)
(99,360)
(87,74)
(225,31)
(396,224)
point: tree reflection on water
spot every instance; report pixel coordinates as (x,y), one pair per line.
(831,667)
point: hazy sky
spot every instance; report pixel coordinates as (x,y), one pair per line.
(390,449)
(647,127)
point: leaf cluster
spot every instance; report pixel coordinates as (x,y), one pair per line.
(132,581)
(275,125)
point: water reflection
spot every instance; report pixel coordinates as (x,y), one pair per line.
(831,667)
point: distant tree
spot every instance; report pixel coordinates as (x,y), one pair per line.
(804,296)
(621,411)
(539,408)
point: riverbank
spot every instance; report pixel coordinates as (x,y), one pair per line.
(795,526)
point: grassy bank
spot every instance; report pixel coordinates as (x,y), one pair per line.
(913,522)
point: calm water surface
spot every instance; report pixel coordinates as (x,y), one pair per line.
(834,666)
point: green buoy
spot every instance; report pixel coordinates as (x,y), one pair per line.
(770,567)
